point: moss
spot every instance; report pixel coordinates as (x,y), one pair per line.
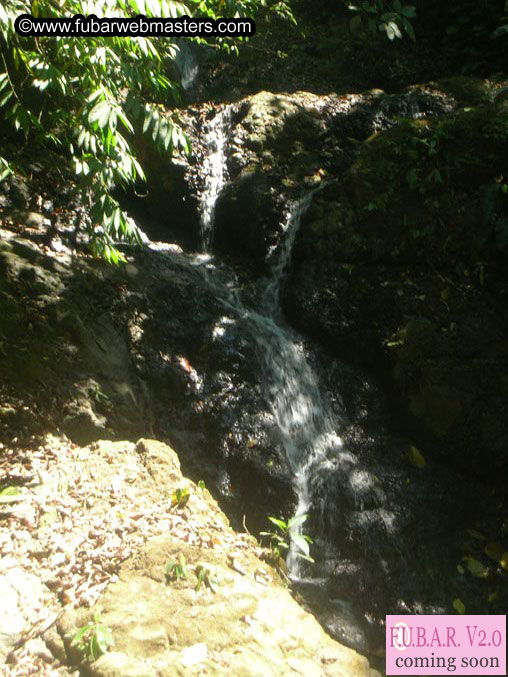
(422,174)
(469,91)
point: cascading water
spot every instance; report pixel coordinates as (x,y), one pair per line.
(214,170)
(266,391)
(186,64)
(302,414)
(303,417)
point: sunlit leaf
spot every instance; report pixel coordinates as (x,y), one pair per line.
(459,605)
(10,495)
(416,457)
(301,543)
(476,568)
(295,522)
(279,523)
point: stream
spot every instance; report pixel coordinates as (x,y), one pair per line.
(304,418)
(287,429)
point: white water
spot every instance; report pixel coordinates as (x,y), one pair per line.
(303,417)
(214,171)
(187,65)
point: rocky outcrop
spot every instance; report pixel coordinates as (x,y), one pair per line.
(275,148)
(156,347)
(113,551)
(98,352)
(435,334)
(280,145)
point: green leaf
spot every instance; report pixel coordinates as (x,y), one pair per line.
(408,27)
(296,521)
(148,120)
(102,638)
(10,495)
(416,457)
(459,605)
(5,98)
(409,11)
(476,568)
(392,26)
(99,113)
(301,543)
(95,650)
(81,633)
(279,523)
(5,169)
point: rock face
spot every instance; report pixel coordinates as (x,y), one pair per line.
(116,547)
(23,598)
(155,347)
(436,335)
(274,143)
(404,176)
(146,348)
(249,625)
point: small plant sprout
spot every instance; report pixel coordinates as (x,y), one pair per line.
(287,533)
(202,485)
(180,497)
(176,569)
(93,639)
(204,575)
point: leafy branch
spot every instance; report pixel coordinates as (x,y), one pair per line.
(89,97)
(391,18)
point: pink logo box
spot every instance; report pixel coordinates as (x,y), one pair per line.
(444,645)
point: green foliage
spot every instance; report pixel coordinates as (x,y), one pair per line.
(10,495)
(93,639)
(176,569)
(5,169)
(478,29)
(391,17)
(287,532)
(204,575)
(88,96)
(495,213)
(180,497)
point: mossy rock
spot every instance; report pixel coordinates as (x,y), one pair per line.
(422,183)
(466,90)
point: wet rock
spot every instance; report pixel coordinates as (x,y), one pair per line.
(150,352)
(246,214)
(362,284)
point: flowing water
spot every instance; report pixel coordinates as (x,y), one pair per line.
(303,416)
(214,171)
(373,514)
(186,64)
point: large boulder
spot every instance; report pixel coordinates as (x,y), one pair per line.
(277,147)
(145,348)
(238,618)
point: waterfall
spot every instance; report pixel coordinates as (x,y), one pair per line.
(214,170)
(303,417)
(186,64)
